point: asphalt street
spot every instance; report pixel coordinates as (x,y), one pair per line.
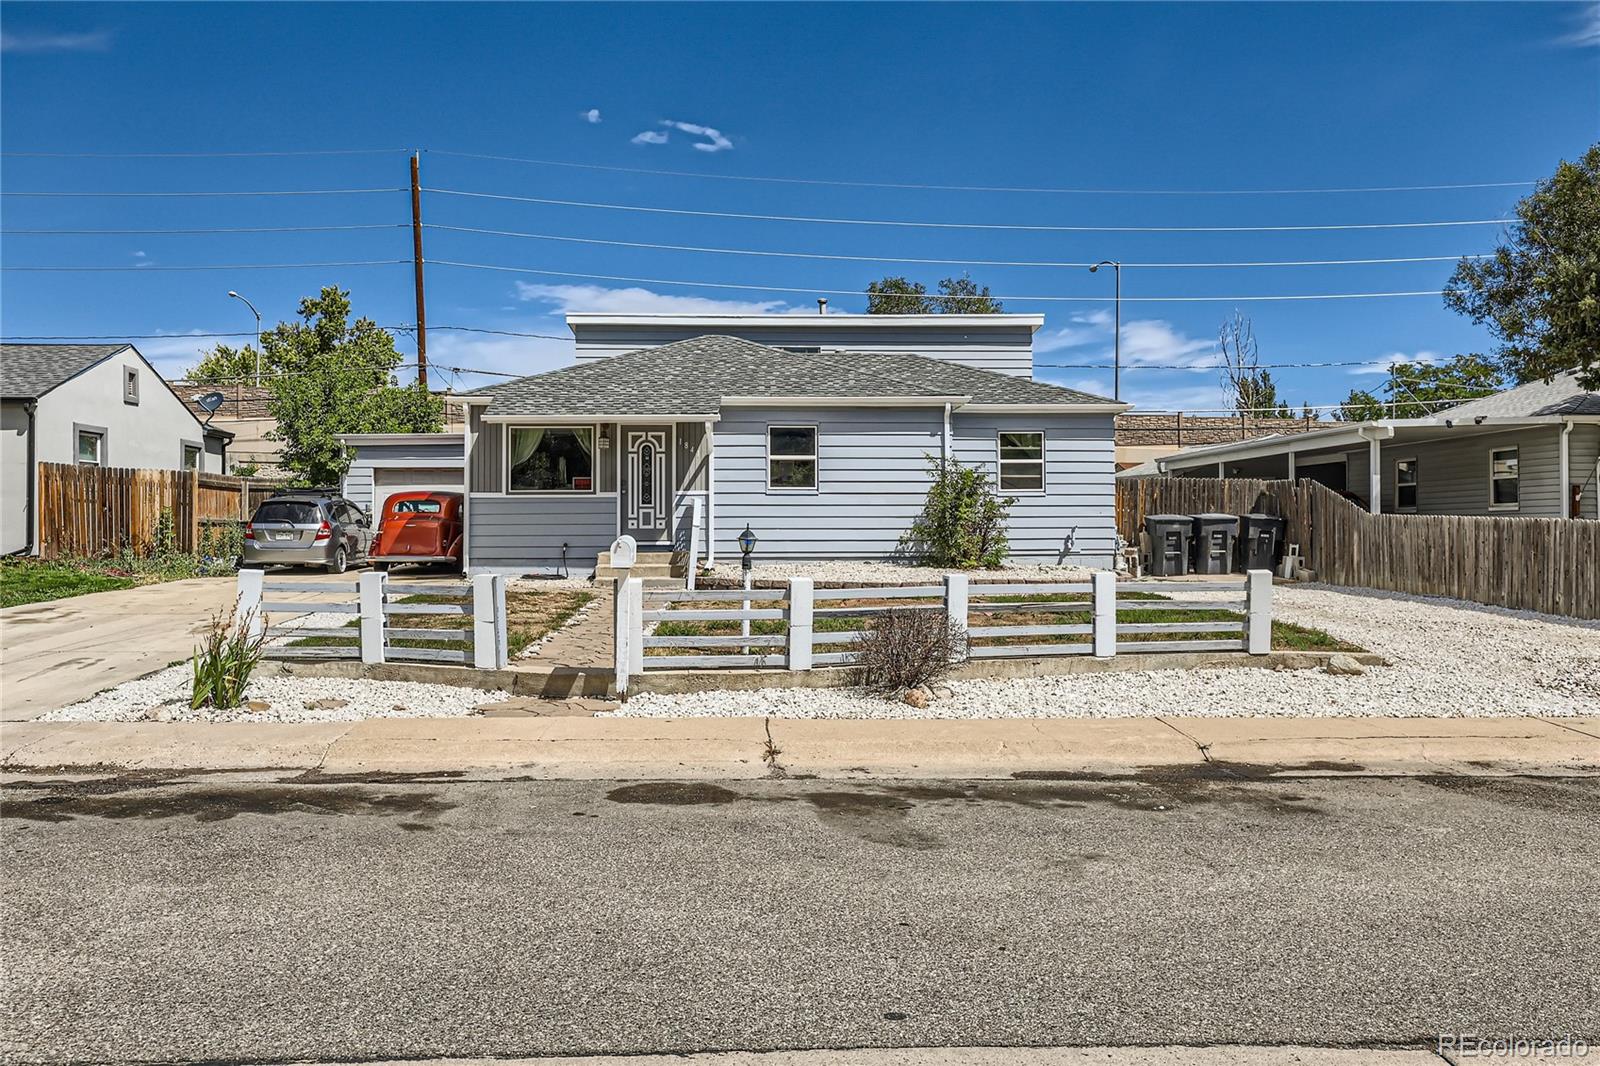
(213,919)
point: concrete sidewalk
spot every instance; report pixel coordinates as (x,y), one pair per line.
(747,748)
(1234,1055)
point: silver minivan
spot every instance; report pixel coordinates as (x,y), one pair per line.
(308,529)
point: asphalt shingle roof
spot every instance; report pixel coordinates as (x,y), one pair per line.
(690,377)
(1561,395)
(28,371)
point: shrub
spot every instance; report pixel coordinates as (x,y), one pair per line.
(905,648)
(963,520)
(224,663)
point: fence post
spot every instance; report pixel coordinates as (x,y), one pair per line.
(1104,586)
(371,589)
(800,622)
(955,610)
(621,633)
(247,607)
(636,617)
(488,621)
(1258,612)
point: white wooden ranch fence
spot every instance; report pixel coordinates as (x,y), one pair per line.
(801,646)
(382,608)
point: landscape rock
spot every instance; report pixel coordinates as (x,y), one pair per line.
(326,703)
(918,697)
(258,706)
(1344,666)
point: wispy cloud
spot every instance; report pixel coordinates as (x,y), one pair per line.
(592,115)
(650,137)
(94,41)
(1144,341)
(174,355)
(505,355)
(714,140)
(564,298)
(1382,364)
(1586,28)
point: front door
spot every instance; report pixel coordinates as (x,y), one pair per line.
(646,484)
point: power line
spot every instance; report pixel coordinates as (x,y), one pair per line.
(981,188)
(255,192)
(194,232)
(146,267)
(200,155)
(937,262)
(251,333)
(813,290)
(962,225)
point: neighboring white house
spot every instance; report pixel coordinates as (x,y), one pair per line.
(93,404)
(1533,450)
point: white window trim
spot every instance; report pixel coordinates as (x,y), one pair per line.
(815,457)
(1044,455)
(594,466)
(1517,477)
(1416,484)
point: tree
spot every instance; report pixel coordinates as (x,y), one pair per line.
(898,296)
(1539,293)
(224,364)
(957,296)
(334,376)
(1254,392)
(1417,390)
(963,296)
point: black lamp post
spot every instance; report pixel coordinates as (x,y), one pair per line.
(747,544)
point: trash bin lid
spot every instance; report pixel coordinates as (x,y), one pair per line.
(1167,518)
(1213,518)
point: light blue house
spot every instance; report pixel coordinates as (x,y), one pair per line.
(823,452)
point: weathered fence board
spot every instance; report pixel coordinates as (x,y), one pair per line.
(1535,564)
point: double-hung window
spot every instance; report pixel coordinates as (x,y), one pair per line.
(1504,481)
(91,448)
(1405,484)
(1021,461)
(792,458)
(191,457)
(550,459)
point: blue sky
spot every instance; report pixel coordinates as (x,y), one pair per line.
(1135,97)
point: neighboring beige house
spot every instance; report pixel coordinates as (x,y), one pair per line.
(94,405)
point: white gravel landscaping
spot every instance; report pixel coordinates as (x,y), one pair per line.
(1449,659)
(164,697)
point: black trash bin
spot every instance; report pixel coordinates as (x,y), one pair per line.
(1213,543)
(1261,541)
(1169,543)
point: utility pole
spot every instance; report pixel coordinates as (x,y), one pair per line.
(416,255)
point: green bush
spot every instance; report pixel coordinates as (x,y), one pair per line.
(963,521)
(224,663)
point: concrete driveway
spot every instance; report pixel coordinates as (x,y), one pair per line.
(56,653)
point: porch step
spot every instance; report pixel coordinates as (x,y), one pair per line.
(651,564)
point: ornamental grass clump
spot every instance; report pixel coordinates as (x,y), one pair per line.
(963,521)
(905,649)
(224,663)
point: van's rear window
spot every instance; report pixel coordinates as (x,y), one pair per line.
(418,507)
(296,514)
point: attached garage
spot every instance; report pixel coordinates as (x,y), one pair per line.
(385,463)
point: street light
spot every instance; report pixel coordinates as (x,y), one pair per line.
(253,311)
(1116,359)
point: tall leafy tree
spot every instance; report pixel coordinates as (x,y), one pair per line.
(1539,293)
(1417,390)
(224,364)
(963,296)
(898,296)
(336,376)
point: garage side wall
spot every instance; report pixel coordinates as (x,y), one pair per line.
(379,469)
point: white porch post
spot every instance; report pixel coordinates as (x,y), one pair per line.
(1375,475)
(711,495)
(800,622)
(1564,455)
(1291,465)
(1220,471)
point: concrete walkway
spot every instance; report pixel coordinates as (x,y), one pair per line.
(748,748)
(62,651)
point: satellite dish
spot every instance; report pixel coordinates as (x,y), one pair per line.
(209,403)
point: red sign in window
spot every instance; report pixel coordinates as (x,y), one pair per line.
(582,484)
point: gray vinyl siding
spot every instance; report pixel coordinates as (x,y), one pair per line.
(1583,452)
(357,487)
(431,455)
(1453,474)
(525,533)
(873,477)
(487,455)
(1006,348)
(1074,520)
(690,457)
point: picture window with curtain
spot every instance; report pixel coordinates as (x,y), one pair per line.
(551,459)
(1022,461)
(792,458)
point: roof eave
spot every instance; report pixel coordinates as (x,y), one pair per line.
(844,401)
(831,320)
(1075,407)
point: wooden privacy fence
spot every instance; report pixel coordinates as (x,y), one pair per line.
(1550,565)
(802,627)
(92,511)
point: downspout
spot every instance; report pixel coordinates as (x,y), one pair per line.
(945,440)
(32,407)
(1564,451)
(711,496)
